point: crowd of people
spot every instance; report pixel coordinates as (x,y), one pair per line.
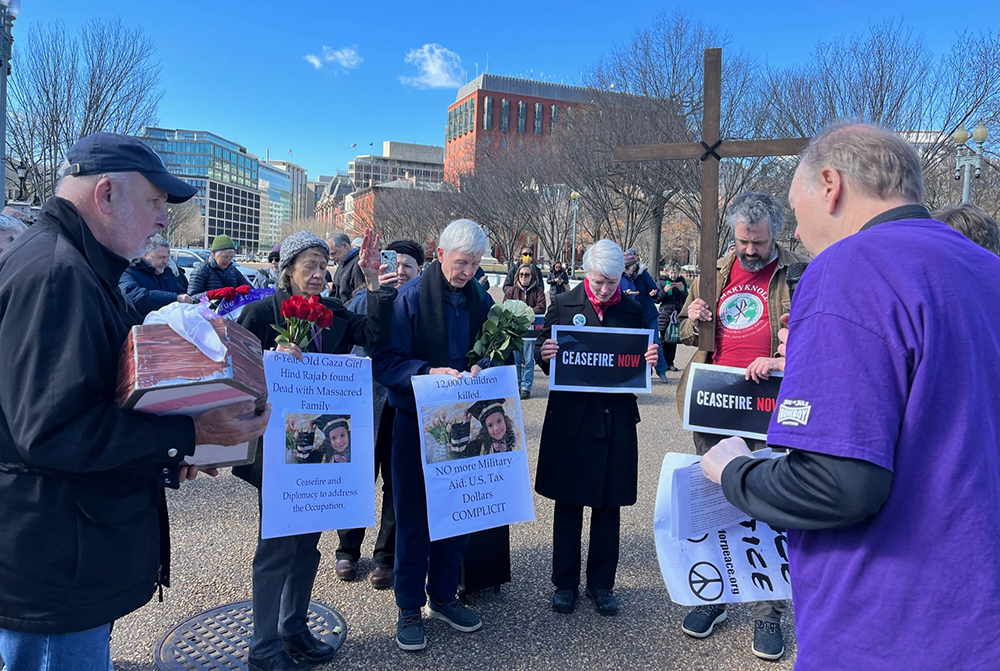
(891,475)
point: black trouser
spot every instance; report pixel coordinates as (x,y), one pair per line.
(669,350)
(602,557)
(284,569)
(385,545)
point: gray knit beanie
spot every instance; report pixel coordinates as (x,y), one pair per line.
(296,243)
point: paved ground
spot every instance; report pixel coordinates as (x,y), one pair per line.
(214,533)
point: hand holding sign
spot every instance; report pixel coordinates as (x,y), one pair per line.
(549,349)
(783,339)
(652,354)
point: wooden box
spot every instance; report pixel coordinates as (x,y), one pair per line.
(162,373)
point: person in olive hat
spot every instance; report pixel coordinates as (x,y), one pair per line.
(219,272)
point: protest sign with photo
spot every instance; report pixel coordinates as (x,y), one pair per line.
(608,360)
(746,561)
(319,447)
(472,439)
(720,400)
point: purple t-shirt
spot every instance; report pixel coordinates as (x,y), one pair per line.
(894,358)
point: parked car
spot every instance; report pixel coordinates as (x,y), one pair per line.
(187,258)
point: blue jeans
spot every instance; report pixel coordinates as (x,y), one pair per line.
(661,363)
(524,359)
(88,650)
(419,562)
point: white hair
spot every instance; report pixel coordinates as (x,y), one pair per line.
(67,183)
(465,236)
(606,258)
(156,242)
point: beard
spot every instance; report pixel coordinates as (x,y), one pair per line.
(755,263)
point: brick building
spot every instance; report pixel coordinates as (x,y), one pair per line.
(493,112)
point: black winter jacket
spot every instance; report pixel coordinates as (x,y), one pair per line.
(209,276)
(147,290)
(84,538)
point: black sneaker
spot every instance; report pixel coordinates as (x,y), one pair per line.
(564,600)
(700,621)
(604,600)
(767,640)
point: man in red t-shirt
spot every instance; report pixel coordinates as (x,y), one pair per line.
(753,295)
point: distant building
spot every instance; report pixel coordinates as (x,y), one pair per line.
(360,208)
(493,112)
(226,176)
(425,162)
(331,202)
(275,204)
(301,208)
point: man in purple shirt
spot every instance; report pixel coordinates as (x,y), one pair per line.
(889,405)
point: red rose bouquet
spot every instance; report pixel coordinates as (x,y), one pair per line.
(304,319)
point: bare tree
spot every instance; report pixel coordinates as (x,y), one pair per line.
(888,76)
(412,213)
(68,86)
(662,70)
(187,224)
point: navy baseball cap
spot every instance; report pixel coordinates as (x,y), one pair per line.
(109,152)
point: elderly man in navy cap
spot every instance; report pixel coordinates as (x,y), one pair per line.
(85,533)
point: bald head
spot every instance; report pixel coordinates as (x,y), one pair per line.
(848,175)
(873,160)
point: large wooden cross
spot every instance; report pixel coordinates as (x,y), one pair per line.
(710,151)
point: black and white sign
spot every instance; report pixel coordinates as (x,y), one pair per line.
(608,360)
(720,400)
(535,328)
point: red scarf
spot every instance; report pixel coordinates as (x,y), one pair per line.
(599,307)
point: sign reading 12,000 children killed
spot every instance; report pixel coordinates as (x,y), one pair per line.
(472,443)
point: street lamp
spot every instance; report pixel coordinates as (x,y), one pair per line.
(9,9)
(966,158)
(21,174)
(574,196)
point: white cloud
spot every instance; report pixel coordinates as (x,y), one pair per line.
(346,57)
(439,68)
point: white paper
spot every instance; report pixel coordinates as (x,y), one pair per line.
(699,505)
(187,321)
(471,493)
(319,446)
(746,562)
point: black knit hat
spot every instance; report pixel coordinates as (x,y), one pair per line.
(410,248)
(483,409)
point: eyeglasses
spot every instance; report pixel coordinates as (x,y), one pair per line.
(524,274)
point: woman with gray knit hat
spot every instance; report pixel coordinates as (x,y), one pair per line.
(284,568)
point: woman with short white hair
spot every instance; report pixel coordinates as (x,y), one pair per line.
(588,455)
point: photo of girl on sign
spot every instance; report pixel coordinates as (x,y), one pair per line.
(450,432)
(317,439)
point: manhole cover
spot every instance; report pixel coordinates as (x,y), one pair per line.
(219,638)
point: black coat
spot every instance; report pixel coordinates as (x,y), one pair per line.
(349,279)
(589,452)
(83,528)
(347,330)
(147,290)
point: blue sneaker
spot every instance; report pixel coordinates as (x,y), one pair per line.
(410,631)
(455,614)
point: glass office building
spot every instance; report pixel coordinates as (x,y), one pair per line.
(227,178)
(275,208)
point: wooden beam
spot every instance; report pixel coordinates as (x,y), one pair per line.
(728,149)
(710,195)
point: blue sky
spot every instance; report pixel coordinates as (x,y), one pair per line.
(315,76)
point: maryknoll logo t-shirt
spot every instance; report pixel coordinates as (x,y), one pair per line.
(743,328)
